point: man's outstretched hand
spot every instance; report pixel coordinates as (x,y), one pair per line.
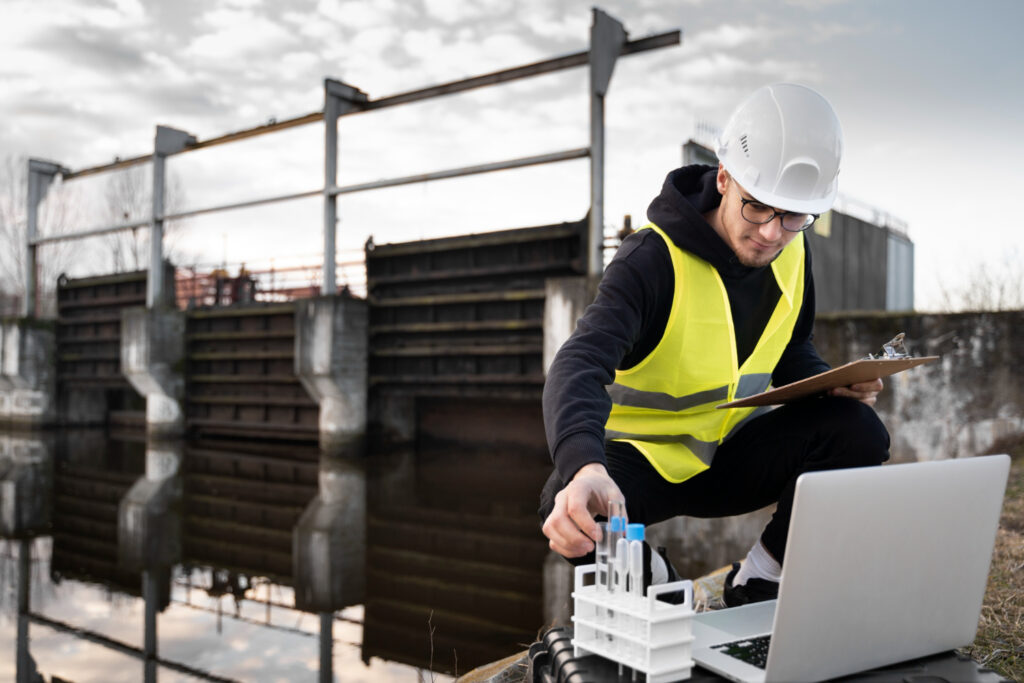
(570,528)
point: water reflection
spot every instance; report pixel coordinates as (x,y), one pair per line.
(168,561)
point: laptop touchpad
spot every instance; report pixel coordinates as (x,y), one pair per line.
(738,622)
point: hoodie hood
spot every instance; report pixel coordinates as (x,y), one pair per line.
(687,194)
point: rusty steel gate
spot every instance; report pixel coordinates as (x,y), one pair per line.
(240,375)
(456,337)
(464,316)
(88,339)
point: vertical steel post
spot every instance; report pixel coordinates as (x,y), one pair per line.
(328,284)
(155,278)
(23,667)
(149,647)
(326,647)
(607,36)
(339,98)
(168,141)
(40,175)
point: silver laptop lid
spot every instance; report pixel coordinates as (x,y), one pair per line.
(885,564)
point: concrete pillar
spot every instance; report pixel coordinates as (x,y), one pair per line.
(152,359)
(558,576)
(329,542)
(149,515)
(331,362)
(26,485)
(28,387)
(565,299)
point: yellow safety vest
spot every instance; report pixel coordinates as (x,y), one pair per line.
(665,405)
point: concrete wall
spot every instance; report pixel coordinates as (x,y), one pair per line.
(961,405)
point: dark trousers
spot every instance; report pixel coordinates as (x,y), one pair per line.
(755,467)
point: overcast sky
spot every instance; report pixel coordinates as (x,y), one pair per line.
(929,93)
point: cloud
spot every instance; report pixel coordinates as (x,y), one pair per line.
(238,34)
(728,36)
(720,66)
(355,15)
(85,47)
(462,11)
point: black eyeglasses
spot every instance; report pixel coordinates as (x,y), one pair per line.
(758,213)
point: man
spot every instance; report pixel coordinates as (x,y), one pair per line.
(712,301)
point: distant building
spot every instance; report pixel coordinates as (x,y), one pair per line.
(861,257)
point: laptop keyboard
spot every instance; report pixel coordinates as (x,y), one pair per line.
(753,651)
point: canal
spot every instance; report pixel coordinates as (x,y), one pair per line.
(452,571)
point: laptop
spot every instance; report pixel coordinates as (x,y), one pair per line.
(883,564)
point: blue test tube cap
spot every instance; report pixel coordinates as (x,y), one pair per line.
(635,532)
(617,524)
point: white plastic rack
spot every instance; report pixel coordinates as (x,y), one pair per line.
(640,632)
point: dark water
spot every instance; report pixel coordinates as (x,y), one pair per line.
(451,582)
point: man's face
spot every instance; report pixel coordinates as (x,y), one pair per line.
(755,245)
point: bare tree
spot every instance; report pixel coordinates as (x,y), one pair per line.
(56,213)
(128,196)
(997,286)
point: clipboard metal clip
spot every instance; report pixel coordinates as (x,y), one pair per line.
(892,349)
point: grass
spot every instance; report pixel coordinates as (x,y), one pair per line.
(999,644)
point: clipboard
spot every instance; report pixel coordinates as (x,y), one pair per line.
(851,373)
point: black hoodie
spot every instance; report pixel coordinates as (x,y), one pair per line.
(628,317)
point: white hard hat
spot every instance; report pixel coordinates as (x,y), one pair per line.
(783,145)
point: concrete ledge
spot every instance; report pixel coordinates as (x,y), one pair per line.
(149,515)
(152,359)
(28,379)
(331,356)
(26,486)
(565,299)
(329,541)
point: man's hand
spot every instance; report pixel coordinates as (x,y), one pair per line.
(865,392)
(570,527)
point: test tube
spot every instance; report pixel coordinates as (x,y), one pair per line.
(616,532)
(635,550)
(621,564)
(601,557)
(635,538)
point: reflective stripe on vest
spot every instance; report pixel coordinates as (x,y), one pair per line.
(665,405)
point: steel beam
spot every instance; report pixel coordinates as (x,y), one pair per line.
(465,170)
(655,42)
(123,648)
(95,232)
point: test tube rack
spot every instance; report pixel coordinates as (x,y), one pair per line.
(640,632)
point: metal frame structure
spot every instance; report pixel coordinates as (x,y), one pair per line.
(608,40)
